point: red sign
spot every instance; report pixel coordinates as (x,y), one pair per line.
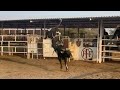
(87,53)
(78,42)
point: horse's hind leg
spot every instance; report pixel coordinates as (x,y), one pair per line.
(68,59)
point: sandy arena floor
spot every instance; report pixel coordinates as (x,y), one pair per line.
(19,68)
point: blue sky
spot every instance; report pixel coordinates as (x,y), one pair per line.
(12,15)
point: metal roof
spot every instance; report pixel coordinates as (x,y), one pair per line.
(82,22)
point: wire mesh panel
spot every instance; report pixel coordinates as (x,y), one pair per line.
(20,49)
(8,38)
(30,31)
(21,38)
(37,32)
(12,32)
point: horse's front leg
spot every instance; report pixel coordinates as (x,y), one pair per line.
(60,60)
(65,60)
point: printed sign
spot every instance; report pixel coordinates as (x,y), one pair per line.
(87,53)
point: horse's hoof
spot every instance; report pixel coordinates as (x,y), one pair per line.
(61,69)
(67,70)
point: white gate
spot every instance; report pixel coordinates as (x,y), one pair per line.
(48,50)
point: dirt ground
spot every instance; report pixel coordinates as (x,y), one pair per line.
(14,67)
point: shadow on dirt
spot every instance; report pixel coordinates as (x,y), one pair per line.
(25,62)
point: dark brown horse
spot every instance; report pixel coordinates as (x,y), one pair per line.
(62,53)
(57,44)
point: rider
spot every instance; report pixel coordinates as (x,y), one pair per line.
(48,34)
